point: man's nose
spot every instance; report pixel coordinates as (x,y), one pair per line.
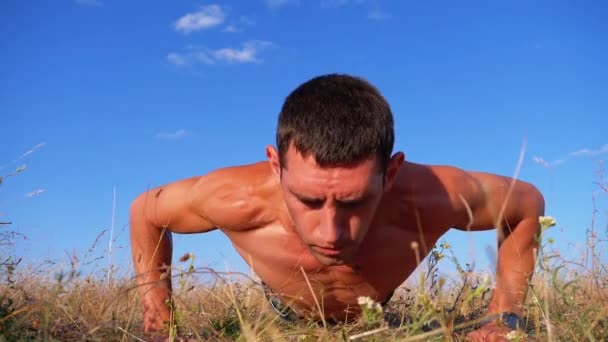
(331,229)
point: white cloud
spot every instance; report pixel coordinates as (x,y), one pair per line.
(541,161)
(274,4)
(374,14)
(378,14)
(207,17)
(35,192)
(231,29)
(581,152)
(584,152)
(339,3)
(32,150)
(202,57)
(588,152)
(176,135)
(191,57)
(234,55)
(194,55)
(93,3)
(27,153)
(238,25)
(177,59)
(248,53)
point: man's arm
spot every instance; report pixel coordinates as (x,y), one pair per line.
(154,214)
(225,198)
(513,208)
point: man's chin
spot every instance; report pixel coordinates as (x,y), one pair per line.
(330,260)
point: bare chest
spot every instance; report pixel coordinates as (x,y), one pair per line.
(382,263)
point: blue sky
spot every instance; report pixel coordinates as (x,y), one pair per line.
(97,94)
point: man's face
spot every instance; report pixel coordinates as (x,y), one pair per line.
(332,207)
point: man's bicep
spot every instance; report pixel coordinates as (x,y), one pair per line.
(231,198)
(491,200)
(474,200)
(172,206)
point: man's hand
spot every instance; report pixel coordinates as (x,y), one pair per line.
(154,215)
(164,338)
(493,332)
(156,317)
(513,207)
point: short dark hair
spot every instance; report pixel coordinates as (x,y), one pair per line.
(339,119)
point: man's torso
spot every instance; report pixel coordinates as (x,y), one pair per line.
(410,212)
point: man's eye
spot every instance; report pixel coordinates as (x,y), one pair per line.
(351,205)
(312,203)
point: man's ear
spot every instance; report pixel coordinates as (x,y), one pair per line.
(273,160)
(394,164)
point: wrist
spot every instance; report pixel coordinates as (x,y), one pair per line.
(511,320)
(156,318)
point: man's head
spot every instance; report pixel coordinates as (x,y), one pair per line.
(339,119)
(335,138)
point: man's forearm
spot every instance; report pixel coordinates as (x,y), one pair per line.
(515,266)
(151,251)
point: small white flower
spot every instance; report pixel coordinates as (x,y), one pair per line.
(546,222)
(515,335)
(369,304)
(364,300)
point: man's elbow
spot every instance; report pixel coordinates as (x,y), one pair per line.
(137,211)
(534,201)
(539,201)
(136,207)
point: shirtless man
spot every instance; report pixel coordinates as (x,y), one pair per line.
(335,205)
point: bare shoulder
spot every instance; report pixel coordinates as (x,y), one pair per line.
(434,179)
(470,199)
(238,197)
(478,187)
(437,188)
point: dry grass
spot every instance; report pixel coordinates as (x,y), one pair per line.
(567,301)
(564,304)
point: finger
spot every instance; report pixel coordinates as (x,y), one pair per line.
(474,336)
(497,336)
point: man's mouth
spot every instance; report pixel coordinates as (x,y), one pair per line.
(328,251)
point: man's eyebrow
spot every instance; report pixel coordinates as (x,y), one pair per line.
(307,198)
(353,200)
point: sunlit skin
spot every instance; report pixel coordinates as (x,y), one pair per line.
(332,208)
(345,230)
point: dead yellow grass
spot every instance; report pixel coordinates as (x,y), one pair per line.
(567,301)
(562,306)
